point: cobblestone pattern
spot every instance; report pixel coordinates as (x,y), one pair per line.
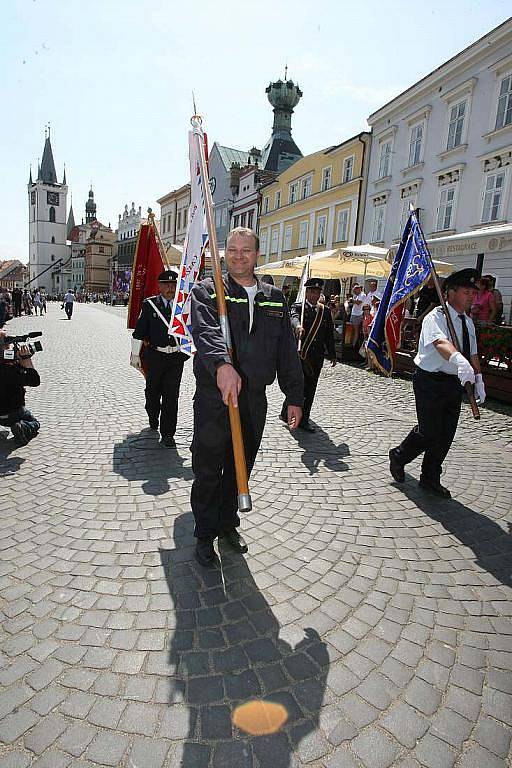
(378,616)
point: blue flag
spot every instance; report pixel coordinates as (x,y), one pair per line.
(410,271)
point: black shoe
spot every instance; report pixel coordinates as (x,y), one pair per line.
(20,433)
(153,425)
(307,426)
(235,540)
(205,553)
(168,441)
(396,467)
(435,487)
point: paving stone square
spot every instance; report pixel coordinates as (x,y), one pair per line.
(376,617)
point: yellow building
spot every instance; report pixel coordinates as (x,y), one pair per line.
(317,203)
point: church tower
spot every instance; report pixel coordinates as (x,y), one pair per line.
(280,150)
(47,222)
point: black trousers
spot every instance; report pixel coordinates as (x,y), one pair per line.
(214,497)
(163,381)
(68,306)
(22,416)
(438,400)
(311,373)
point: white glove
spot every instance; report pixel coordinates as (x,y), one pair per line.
(465,371)
(479,389)
(135,354)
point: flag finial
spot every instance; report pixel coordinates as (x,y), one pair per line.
(286,72)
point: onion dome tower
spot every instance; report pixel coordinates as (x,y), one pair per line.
(281,151)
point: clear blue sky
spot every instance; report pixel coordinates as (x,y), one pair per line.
(114,79)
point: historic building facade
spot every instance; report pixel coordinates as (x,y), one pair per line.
(315,204)
(445,145)
(174,215)
(47,199)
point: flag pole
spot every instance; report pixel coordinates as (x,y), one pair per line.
(244,498)
(455,341)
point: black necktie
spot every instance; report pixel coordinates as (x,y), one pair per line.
(466,350)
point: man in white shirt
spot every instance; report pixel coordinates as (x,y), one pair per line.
(441,372)
(373,293)
(356,315)
(69,299)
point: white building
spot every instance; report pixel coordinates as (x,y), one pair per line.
(445,145)
(174,215)
(47,225)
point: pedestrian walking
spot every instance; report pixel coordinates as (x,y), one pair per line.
(316,332)
(263,346)
(162,356)
(69,300)
(17,297)
(441,372)
(37,302)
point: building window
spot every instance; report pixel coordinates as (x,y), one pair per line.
(178,226)
(185,216)
(342,226)
(326,178)
(288,238)
(250,219)
(385,159)
(416,144)
(164,222)
(243,218)
(277,199)
(348,169)
(445,212)
(493,197)
(504,114)
(292,196)
(378,223)
(303,234)
(305,187)
(53,240)
(51,215)
(274,242)
(101,249)
(224,217)
(33,214)
(405,210)
(263,243)
(217,217)
(266,204)
(235,221)
(456,125)
(53,257)
(321,226)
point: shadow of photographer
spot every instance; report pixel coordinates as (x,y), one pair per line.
(228,663)
(142,457)
(319,448)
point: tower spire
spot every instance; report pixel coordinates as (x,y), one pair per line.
(64,177)
(30,175)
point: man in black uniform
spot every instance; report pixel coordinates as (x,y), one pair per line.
(162,357)
(263,345)
(441,372)
(15,375)
(317,336)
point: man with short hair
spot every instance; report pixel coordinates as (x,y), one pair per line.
(373,293)
(356,316)
(263,346)
(441,372)
(69,300)
(162,358)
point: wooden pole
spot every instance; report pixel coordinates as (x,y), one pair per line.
(455,341)
(244,498)
(303,309)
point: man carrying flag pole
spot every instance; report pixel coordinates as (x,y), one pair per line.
(243,336)
(447,356)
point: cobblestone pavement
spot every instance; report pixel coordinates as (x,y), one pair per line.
(378,616)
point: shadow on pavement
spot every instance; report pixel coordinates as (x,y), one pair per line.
(490,543)
(319,448)
(8,466)
(140,456)
(224,652)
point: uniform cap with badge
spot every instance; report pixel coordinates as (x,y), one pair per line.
(463,278)
(314,282)
(168,276)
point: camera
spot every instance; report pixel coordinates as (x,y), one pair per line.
(10,355)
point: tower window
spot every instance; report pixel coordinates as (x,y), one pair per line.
(53,239)
(51,216)
(53,257)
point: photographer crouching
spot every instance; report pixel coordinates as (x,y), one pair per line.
(16,373)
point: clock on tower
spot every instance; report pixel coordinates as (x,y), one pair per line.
(52,198)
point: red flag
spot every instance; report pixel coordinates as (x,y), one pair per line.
(147,265)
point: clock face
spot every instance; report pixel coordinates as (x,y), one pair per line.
(213,184)
(52,198)
(33,198)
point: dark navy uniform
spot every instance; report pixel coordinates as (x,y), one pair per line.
(164,365)
(322,344)
(259,354)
